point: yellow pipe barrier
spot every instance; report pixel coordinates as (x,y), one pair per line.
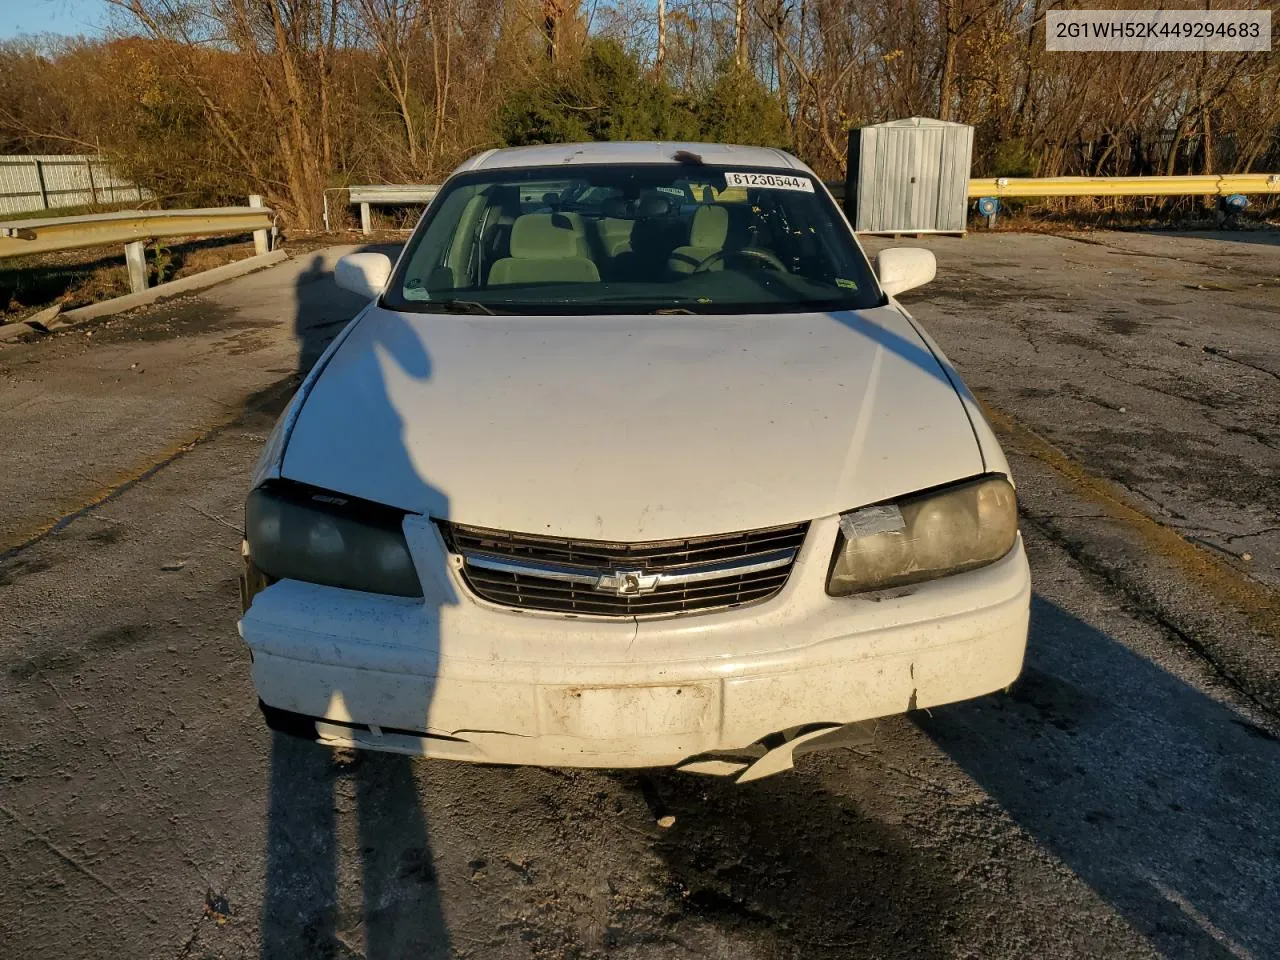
(1224,185)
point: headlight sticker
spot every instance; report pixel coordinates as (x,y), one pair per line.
(869,521)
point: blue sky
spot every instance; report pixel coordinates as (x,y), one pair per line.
(69,17)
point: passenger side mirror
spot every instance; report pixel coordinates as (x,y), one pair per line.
(902,268)
(363,273)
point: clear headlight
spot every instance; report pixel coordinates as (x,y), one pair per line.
(925,536)
(319,538)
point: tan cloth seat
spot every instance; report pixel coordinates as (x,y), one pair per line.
(707,235)
(545,248)
(615,235)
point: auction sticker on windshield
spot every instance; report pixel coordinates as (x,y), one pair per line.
(773,181)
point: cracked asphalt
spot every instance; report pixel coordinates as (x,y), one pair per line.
(1119,802)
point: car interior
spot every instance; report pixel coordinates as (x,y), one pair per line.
(687,240)
(648,239)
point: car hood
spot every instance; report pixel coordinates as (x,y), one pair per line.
(631,428)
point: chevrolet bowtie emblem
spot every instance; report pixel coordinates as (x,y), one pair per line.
(627,583)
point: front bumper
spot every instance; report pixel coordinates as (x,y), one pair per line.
(456,678)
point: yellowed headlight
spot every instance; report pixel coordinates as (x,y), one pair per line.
(924,537)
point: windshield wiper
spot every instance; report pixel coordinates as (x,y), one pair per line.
(463,306)
(675,312)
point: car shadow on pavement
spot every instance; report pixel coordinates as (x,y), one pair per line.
(331,810)
(1267,237)
(1160,798)
(795,870)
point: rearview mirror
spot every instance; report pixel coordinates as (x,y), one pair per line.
(902,268)
(363,273)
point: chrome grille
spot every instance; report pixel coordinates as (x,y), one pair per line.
(593,577)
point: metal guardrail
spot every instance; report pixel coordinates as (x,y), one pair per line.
(392,193)
(132,228)
(1223,185)
(21,237)
(1186,186)
(386,194)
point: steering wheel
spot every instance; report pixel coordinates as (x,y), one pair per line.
(763,257)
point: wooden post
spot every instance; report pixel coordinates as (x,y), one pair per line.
(261,238)
(135,258)
(366,219)
(93,190)
(44,191)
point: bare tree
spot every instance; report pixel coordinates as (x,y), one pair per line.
(740,33)
(218,98)
(661,56)
(289,47)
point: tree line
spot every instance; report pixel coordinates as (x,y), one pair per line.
(203,101)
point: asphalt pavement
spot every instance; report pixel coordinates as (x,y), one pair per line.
(1119,802)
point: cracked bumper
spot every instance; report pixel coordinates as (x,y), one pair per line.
(461,680)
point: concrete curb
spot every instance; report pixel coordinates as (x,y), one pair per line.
(196,281)
(36,323)
(106,308)
(11,331)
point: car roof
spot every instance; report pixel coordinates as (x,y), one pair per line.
(625,152)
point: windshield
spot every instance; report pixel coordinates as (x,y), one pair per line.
(632,239)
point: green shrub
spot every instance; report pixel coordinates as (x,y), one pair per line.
(740,109)
(1011,158)
(607,95)
(603,96)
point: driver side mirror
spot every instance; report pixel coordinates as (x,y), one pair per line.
(363,273)
(903,268)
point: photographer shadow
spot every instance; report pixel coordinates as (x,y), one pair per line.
(331,809)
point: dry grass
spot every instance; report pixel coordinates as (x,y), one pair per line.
(80,210)
(1072,214)
(73,278)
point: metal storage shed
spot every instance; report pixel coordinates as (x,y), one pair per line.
(909,176)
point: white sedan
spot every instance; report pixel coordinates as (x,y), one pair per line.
(630,461)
